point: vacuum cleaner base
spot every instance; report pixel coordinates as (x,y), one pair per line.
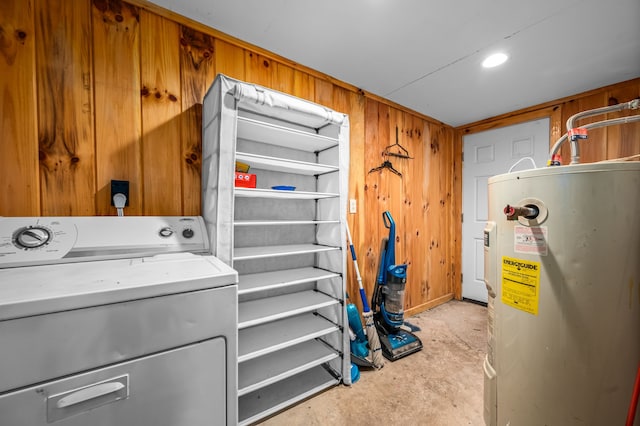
(400,344)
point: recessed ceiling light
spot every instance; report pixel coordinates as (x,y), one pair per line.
(495,60)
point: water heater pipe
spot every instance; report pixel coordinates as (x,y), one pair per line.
(575,151)
(513,212)
(634,104)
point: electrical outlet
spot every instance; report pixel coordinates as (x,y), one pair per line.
(353,204)
(120,187)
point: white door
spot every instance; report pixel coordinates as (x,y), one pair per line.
(486,154)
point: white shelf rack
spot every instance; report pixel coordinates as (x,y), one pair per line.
(268,369)
(271,399)
(259,252)
(260,311)
(242,223)
(284,165)
(260,131)
(289,247)
(263,281)
(270,337)
(280,194)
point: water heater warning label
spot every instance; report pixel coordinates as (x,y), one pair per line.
(530,240)
(521,284)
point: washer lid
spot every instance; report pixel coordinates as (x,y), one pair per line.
(37,290)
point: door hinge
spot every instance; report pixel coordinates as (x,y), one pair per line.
(461,277)
(461,217)
(462,155)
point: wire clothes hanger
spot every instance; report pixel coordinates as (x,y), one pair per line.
(386,165)
(403,153)
(387,153)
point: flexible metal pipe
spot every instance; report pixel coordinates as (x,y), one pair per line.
(575,151)
(611,108)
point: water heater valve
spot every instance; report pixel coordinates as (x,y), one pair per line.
(514,212)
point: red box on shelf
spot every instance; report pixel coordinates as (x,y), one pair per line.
(245,180)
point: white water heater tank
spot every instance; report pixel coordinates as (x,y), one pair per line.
(563,274)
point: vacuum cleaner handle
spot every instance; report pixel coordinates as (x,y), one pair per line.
(390,255)
(388,221)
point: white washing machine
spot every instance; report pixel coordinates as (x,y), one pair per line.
(109,321)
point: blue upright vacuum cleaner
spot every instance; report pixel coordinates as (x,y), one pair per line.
(387,301)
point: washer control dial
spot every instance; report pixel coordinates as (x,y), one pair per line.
(187,233)
(166,232)
(32,237)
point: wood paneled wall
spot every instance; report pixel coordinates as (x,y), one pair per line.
(95,90)
(422,202)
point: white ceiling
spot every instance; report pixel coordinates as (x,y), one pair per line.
(426,54)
